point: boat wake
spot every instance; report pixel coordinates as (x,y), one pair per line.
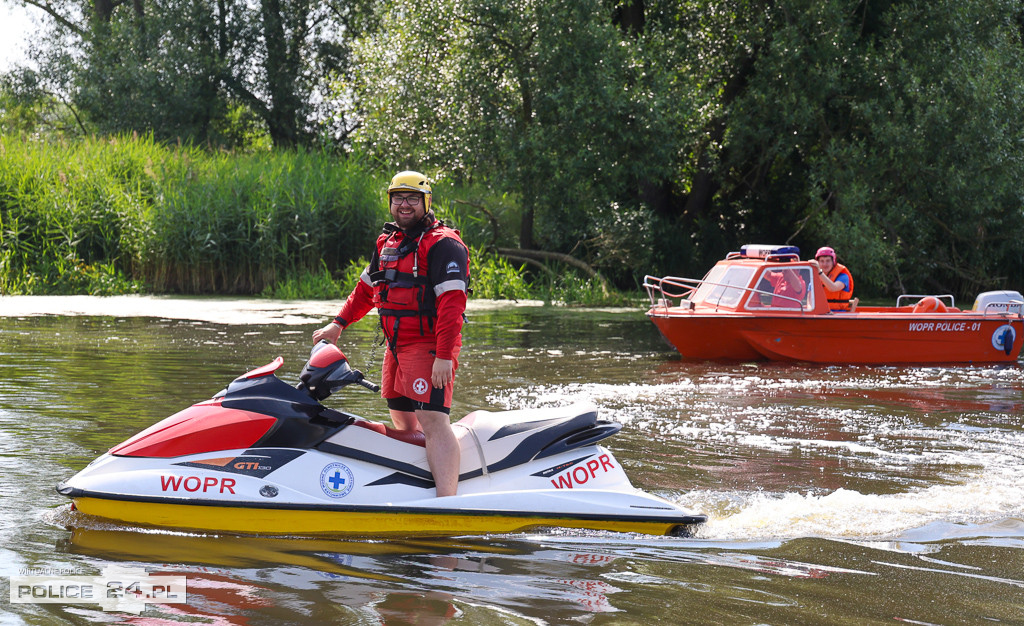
(858,454)
(929,515)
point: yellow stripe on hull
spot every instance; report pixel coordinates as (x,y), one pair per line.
(245,520)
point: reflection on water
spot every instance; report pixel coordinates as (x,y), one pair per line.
(827,487)
(525,576)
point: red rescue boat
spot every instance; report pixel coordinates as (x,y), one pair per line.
(742,310)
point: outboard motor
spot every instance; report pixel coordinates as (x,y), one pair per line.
(999,302)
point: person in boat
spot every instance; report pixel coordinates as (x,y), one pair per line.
(836,279)
(418,278)
(788,284)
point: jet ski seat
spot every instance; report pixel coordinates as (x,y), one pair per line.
(490,441)
(490,425)
(507,438)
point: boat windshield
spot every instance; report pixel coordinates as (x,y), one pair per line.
(781,287)
(724,285)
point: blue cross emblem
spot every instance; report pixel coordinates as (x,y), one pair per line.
(336,480)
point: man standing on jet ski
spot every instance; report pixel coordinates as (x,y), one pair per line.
(418,278)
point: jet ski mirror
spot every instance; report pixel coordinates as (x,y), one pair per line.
(328,370)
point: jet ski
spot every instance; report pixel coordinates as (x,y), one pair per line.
(266,457)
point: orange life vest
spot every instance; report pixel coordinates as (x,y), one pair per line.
(839,300)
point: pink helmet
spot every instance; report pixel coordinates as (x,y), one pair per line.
(826,251)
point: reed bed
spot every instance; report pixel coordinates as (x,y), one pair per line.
(128,214)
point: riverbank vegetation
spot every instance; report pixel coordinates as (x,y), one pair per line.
(127,215)
(204,147)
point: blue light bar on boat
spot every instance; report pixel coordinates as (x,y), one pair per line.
(762,251)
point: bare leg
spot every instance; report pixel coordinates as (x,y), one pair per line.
(443,453)
(405,420)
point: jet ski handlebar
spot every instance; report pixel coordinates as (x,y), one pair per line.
(368,384)
(328,370)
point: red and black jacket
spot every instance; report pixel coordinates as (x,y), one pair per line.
(419,282)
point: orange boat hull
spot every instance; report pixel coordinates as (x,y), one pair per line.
(870,337)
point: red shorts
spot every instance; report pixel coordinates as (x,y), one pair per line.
(408,376)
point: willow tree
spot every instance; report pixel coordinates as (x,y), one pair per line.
(202,69)
(539,97)
(924,188)
(889,129)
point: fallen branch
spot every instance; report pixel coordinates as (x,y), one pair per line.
(542,255)
(533,262)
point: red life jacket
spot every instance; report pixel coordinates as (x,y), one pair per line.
(402,292)
(839,300)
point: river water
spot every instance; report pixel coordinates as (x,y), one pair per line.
(834,494)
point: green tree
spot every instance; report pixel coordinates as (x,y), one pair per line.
(538,97)
(200,69)
(925,188)
(28,107)
(890,130)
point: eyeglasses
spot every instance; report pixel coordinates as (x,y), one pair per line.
(413,200)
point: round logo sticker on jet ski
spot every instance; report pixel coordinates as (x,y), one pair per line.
(336,480)
(1003,338)
(419,386)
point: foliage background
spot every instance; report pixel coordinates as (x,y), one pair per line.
(642,136)
(123,214)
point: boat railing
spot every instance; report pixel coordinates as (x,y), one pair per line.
(659,296)
(1007,307)
(655,285)
(917,297)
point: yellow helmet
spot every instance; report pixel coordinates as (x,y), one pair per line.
(411,181)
